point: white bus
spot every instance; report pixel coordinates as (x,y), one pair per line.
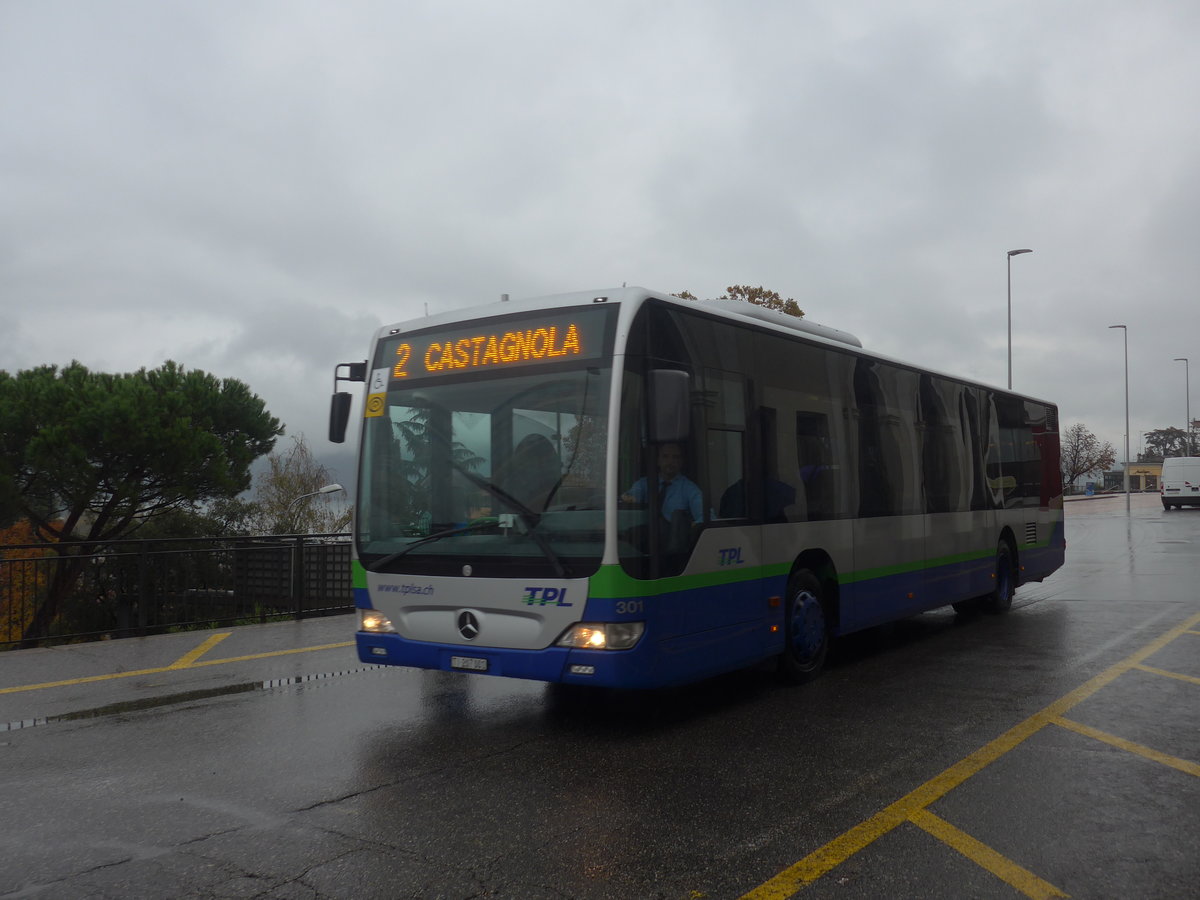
(626,489)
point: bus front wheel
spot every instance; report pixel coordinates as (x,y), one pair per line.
(1001,598)
(806,627)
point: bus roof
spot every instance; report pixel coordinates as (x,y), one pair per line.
(726,307)
(749,313)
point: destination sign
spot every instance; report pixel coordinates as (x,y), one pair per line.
(554,336)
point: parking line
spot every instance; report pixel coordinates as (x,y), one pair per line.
(1163,672)
(837,851)
(190,657)
(88,679)
(824,859)
(270,653)
(1166,759)
(985,857)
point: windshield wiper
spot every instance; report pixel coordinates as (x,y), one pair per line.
(528,516)
(429,538)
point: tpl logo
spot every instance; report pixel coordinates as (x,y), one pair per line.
(545,596)
(731,556)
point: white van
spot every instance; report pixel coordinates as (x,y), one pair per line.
(1180,482)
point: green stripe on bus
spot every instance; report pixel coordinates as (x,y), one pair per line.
(918,566)
(613,582)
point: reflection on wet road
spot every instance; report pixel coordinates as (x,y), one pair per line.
(1050,751)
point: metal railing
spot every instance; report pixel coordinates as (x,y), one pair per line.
(75,592)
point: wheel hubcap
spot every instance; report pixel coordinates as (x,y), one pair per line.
(807,626)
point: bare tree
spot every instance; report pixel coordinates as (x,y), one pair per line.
(1083,454)
(291,474)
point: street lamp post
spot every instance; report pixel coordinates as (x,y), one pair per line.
(296,591)
(1125,330)
(1011,254)
(327,489)
(1187,395)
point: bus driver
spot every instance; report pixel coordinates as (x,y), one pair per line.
(675,490)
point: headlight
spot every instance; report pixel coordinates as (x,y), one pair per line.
(374,621)
(602,636)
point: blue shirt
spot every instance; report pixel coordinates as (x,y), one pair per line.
(681,494)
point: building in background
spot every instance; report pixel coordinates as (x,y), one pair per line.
(1143,476)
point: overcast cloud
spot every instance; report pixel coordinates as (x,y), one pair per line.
(251,188)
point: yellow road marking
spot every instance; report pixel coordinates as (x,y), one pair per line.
(841,848)
(1081,693)
(208,662)
(837,851)
(1163,672)
(87,679)
(1166,759)
(188,658)
(233,659)
(985,857)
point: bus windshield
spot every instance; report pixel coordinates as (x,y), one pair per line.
(502,473)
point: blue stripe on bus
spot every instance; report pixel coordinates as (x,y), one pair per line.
(706,630)
(392,649)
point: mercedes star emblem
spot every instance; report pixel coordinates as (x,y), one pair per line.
(468,625)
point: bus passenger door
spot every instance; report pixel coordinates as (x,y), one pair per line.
(889,531)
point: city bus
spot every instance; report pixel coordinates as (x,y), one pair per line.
(626,489)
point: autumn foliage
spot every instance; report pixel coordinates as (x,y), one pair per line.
(23,581)
(759,296)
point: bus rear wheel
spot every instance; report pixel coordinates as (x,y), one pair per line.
(806,630)
(1001,598)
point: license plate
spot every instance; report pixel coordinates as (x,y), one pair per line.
(469,662)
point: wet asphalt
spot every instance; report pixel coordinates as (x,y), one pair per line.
(1052,751)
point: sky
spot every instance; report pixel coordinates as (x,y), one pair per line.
(252,188)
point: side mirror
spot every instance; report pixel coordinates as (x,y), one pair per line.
(339,406)
(339,415)
(670,405)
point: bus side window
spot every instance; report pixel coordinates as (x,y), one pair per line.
(725,467)
(724,402)
(778,496)
(814,458)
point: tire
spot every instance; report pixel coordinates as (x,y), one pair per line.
(806,630)
(1166,505)
(1001,598)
